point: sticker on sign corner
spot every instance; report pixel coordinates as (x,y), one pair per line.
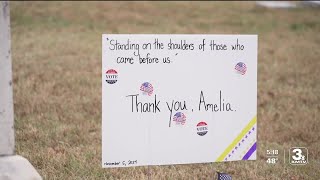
(241,68)
(111,76)
(202,128)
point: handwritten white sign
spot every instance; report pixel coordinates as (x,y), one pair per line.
(178,99)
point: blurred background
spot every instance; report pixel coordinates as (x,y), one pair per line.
(56,54)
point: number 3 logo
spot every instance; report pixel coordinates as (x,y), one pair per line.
(298,155)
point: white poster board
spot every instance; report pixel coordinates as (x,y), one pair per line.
(178,99)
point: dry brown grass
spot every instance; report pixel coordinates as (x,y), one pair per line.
(56,49)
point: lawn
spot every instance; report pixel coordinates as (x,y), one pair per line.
(56,54)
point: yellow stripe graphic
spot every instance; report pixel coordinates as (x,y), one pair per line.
(237,139)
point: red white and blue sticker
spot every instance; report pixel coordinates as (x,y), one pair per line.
(146,88)
(111,76)
(241,68)
(179,118)
(202,128)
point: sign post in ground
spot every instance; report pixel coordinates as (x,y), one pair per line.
(12,166)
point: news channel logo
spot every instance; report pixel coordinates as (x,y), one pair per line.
(298,156)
